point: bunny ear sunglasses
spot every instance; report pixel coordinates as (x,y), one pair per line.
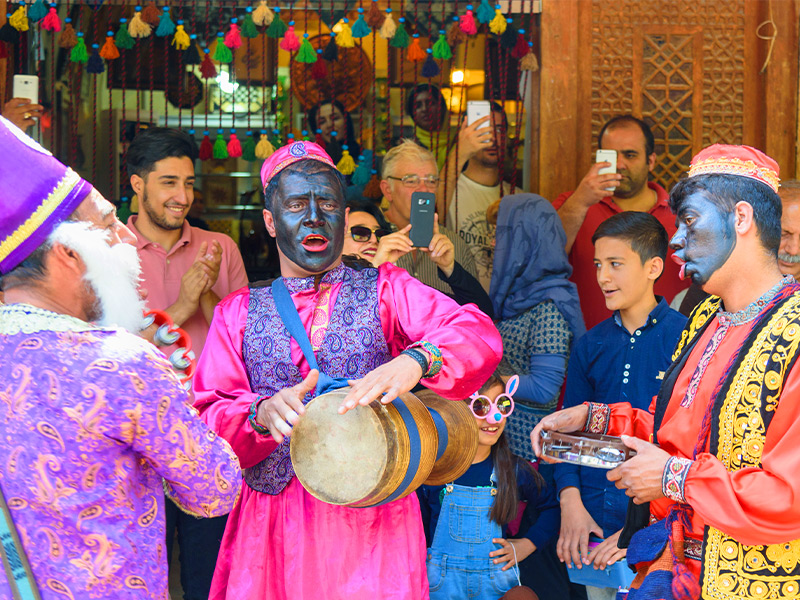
(495,410)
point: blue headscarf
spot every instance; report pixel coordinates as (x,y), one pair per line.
(530,264)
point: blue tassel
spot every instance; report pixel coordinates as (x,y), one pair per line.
(485,12)
(360,27)
(429,67)
(165,25)
(38,11)
(95,63)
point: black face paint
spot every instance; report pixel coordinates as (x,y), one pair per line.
(309,212)
(705,238)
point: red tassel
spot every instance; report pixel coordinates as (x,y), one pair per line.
(319,71)
(319,141)
(290,42)
(234,146)
(467,24)
(233,39)
(521,48)
(207,69)
(51,22)
(206,148)
(151,15)
(3,50)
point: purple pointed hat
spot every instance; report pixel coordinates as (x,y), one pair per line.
(37,193)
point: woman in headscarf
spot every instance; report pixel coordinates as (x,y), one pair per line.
(537,308)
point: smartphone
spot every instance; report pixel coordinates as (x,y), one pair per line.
(607,156)
(477,109)
(423,208)
(26,86)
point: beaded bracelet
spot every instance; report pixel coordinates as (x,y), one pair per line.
(257,427)
(418,356)
(434,357)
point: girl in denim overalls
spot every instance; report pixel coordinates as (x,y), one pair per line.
(469,557)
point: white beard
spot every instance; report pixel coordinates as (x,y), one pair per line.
(113,273)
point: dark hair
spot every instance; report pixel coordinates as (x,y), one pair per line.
(725,191)
(506,466)
(334,150)
(641,230)
(306,167)
(369,207)
(649,140)
(157,143)
(496,107)
(434,92)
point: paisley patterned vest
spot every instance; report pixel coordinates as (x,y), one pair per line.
(353,346)
(749,395)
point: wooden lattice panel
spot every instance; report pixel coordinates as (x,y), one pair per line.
(677,64)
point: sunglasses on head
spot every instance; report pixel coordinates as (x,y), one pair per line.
(495,410)
(362,233)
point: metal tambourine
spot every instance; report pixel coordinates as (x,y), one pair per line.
(182,359)
(585,449)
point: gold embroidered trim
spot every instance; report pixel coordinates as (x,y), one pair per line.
(46,208)
(736,166)
(699,317)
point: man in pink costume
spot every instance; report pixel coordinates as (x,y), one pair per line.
(379,328)
(94,424)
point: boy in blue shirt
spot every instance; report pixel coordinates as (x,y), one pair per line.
(622,359)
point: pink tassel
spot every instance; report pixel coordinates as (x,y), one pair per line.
(290,41)
(467,24)
(51,22)
(233,39)
(234,146)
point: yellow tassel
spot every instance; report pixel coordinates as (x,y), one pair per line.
(181,40)
(138,28)
(19,20)
(263,15)
(389,27)
(346,164)
(344,39)
(264,147)
(529,62)
(498,24)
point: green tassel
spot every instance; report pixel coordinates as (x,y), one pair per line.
(123,39)
(79,54)
(441,49)
(249,148)
(220,147)
(277,28)
(222,54)
(306,54)
(248,27)
(400,39)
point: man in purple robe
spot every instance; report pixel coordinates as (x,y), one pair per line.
(94,424)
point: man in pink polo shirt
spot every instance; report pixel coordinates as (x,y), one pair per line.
(186,271)
(583,210)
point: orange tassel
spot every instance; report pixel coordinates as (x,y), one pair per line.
(109,51)
(415,52)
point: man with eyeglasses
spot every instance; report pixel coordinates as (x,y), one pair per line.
(473,184)
(409,168)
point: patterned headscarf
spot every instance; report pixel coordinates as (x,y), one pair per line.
(530,264)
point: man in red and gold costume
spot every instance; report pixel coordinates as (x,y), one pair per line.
(717,457)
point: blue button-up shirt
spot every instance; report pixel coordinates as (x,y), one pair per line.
(610,364)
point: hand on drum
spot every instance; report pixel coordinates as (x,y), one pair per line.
(387,382)
(566,421)
(283,410)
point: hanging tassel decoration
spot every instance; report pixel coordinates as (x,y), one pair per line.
(181,41)
(290,41)
(263,15)
(362,174)
(441,49)
(400,38)
(319,71)
(248,27)
(123,39)
(222,54)
(307,54)
(95,64)
(192,56)
(151,15)
(165,25)
(521,47)
(498,24)
(454,33)
(109,51)
(485,12)
(331,52)
(19,20)
(344,39)
(277,27)
(529,62)
(38,11)
(430,68)
(373,188)
(389,27)
(467,22)
(264,148)
(220,147)
(79,54)
(375,18)
(234,145)
(233,38)
(51,22)
(207,69)
(11,35)
(415,52)
(508,39)
(138,28)
(249,146)
(206,147)
(360,27)
(346,164)
(3,51)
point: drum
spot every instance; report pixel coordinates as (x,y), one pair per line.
(585,449)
